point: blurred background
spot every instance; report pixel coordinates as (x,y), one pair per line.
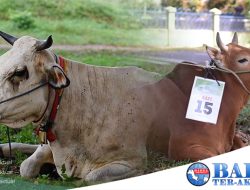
(143,23)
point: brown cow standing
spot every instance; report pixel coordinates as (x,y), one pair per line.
(182,138)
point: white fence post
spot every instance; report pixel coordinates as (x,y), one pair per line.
(216,23)
(170,11)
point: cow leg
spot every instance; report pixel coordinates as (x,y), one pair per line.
(30,167)
(23,148)
(112,171)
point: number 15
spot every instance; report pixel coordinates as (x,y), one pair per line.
(207,107)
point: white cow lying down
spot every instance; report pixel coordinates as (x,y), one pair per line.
(100,133)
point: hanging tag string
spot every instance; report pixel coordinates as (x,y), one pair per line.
(225,70)
(208,72)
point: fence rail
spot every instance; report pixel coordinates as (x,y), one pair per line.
(234,23)
(191,20)
(187,20)
(151,18)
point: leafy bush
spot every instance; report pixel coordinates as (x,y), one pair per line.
(23,135)
(23,20)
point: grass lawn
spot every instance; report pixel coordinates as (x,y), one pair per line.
(81,32)
(76,22)
(14,182)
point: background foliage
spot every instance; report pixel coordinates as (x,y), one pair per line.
(72,21)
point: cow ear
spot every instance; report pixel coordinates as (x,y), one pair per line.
(57,78)
(213,53)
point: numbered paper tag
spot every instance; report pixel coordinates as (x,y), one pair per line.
(205,100)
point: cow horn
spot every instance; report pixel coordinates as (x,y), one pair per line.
(42,45)
(235,39)
(10,39)
(220,44)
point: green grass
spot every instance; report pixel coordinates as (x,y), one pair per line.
(24,135)
(80,32)
(117,59)
(157,162)
(108,11)
(41,183)
(244,117)
(75,22)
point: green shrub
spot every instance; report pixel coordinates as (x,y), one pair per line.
(23,20)
(23,135)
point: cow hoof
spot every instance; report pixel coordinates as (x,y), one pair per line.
(110,172)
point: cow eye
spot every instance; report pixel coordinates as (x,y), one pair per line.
(242,60)
(20,74)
